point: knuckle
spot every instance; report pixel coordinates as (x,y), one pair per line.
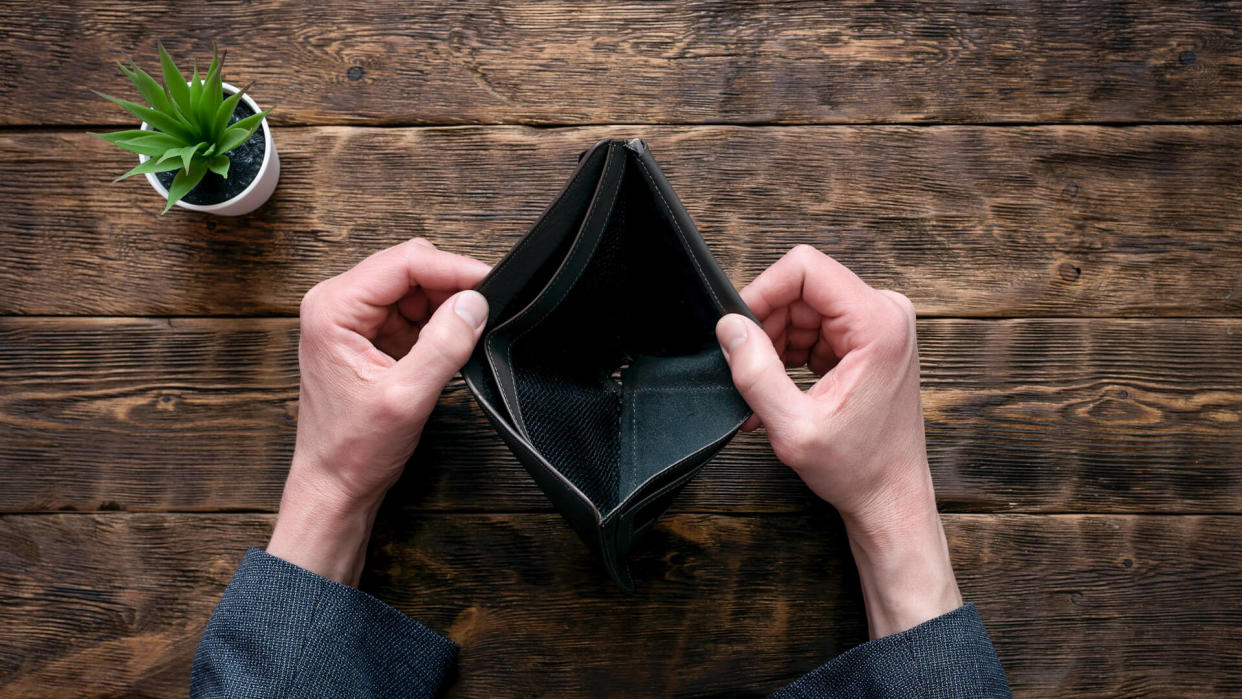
(311,311)
(753,374)
(745,377)
(393,402)
(896,321)
(805,251)
(310,298)
(446,346)
(902,301)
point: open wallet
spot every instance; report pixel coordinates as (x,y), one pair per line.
(599,364)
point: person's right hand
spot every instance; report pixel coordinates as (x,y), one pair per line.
(856,437)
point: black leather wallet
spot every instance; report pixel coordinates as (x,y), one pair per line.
(599,364)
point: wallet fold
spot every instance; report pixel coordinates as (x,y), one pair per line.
(599,364)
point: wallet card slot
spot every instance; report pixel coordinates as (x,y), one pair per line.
(530,265)
(671,407)
(500,341)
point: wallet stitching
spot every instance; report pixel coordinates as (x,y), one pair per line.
(676,226)
(680,480)
(634,422)
(633,432)
(713,387)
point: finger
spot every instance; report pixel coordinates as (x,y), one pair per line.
(415,307)
(821,361)
(845,303)
(396,337)
(775,323)
(801,315)
(802,338)
(781,344)
(438,296)
(362,295)
(758,371)
(444,344)
(827,286)
(752,423)
(385,277)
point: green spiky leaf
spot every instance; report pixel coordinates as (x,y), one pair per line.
(220,121)
(170,154)
(154,139)
(118,137)
(233,137)
(174,83)
(142,142)
(160,120)
(212,95)
(149,166)
(186,154)
(196,94)
(250,123)
(219,164)
(150,90)
(189,153)
(184,181)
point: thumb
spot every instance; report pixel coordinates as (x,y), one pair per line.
(444,344)
(758,371)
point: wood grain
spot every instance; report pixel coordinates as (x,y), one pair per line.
(687,61)
(967,221)
(1055,185)
(1100,605)
(1026,415)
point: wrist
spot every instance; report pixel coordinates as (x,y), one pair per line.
(323,530)
(903,563)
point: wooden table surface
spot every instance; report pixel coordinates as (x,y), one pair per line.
(1054,183)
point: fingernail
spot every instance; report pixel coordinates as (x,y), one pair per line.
(472,308)
(732,332)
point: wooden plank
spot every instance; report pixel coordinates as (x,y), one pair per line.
(1026,415)
(113,605)
(687,61)
(967,221)
(1101,605)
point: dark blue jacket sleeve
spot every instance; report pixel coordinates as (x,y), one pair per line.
(949,656)
(281,630)
(284,631)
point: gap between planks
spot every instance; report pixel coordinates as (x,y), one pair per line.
(741,124)
(927,316)
(741,514)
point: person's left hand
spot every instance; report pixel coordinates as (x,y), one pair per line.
(378,345)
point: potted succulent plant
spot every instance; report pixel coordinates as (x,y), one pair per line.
(203,144)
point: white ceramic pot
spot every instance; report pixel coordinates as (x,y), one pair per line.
(253,196)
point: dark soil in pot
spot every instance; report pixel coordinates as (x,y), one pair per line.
(245,161)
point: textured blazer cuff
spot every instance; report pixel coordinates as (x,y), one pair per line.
(949,656)
(281,629)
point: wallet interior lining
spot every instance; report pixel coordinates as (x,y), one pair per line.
(639,296)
